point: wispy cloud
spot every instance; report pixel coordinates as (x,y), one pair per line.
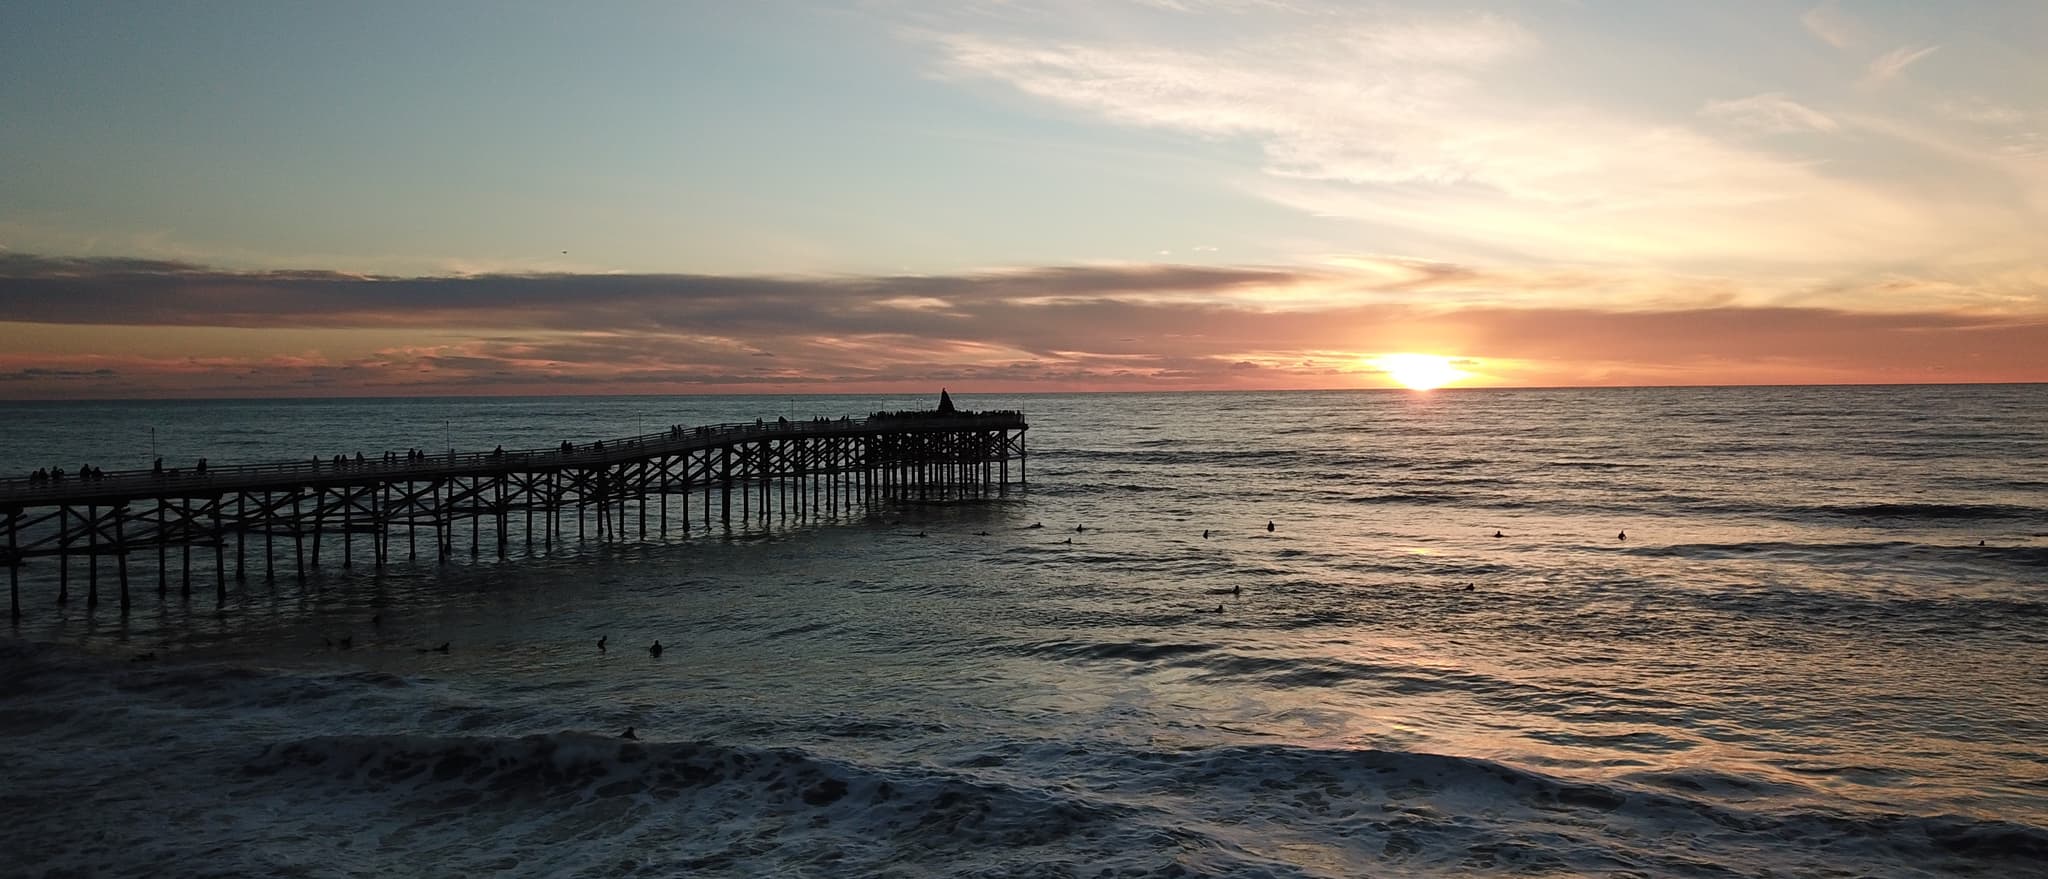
(1356,102)
(1833,26)
(1889,66)
(1770,112)
(1978,110)
(1418,127)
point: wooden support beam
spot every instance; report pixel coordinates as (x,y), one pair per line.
(13,566)
(92,556)
(121,551)
(220,551)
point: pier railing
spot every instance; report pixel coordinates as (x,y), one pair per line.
(21,490)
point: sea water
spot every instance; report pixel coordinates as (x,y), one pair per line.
(1820,650)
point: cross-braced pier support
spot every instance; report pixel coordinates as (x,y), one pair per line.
(613,490)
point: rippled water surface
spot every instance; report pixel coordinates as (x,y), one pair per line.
(1799,662)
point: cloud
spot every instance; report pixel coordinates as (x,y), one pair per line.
(1072,327)
(1440,134)
(1978,110)
(1770,112)
(1892,64)
(1375,86)
(1833,26)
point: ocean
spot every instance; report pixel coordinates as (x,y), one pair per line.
(1820,650)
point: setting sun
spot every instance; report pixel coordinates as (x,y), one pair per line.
(1419,372)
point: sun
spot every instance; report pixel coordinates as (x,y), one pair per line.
(1419,372)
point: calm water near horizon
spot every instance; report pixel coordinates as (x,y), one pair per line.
(1800,662)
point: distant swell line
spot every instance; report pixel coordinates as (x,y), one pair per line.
(1930,511)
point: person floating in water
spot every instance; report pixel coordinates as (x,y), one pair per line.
(1269,526)
(1205,534)
(1622,536)
(655,650)
(628,734)
(1498,534)
(600,643)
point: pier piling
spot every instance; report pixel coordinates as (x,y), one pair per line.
(804,472)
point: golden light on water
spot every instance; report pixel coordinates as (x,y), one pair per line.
(1420,372)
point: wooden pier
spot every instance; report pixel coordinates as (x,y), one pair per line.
(253,519)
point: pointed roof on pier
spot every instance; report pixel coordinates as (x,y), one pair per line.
(945,403)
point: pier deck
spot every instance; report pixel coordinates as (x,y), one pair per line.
(801,469)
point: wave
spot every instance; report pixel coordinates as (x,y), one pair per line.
(2024,556)
(1690,823)
(934,811)
(1733,823)
(1929,511)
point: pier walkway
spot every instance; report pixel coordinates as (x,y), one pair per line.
(797,469)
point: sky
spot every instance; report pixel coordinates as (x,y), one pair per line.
(207,199)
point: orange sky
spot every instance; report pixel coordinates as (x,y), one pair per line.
(192,331)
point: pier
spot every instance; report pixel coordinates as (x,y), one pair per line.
(253,519)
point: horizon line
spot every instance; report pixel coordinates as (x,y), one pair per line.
(1390,390)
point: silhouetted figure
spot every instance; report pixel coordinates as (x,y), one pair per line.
(920,534)
(1980,543)
(1205,534)
(1622,536)
(1498,534)
(628,734)
(1237,590)
(156,468)
(1269,526)
(1069,541)
(981,534)
(601,641)
(1035,525)
(200,468)
(1080,528)
(655,650)
(443,648)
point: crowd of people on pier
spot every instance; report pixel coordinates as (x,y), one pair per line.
(86,473)
(419,456)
